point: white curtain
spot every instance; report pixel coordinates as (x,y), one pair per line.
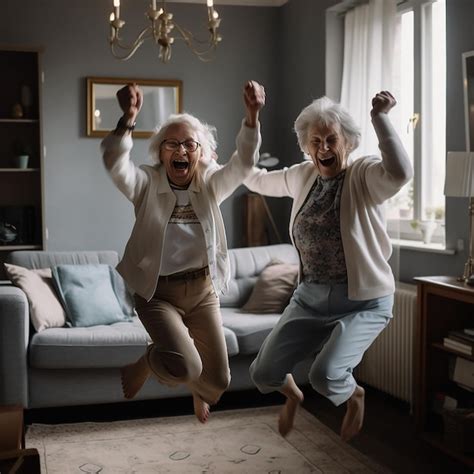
(370,64)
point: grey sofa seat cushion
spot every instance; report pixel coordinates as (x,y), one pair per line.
(105,346)
(250,329)
(245,266)
(42,259)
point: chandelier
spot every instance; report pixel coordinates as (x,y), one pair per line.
(160,29)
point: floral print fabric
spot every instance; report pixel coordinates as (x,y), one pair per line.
(317,234)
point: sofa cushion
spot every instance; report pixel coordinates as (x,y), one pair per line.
(92,294)
(246,264)
(105,346)
(251,330)
(45,309)
(273,289)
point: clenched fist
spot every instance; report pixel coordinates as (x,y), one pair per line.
(383,102)
(130,99)
(254,98)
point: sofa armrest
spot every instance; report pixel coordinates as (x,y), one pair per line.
(14,337)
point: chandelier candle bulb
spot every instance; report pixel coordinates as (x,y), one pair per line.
(210,9)
(112,29)
(153,4)
(117,9)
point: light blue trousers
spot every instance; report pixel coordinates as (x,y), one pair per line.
(321,321)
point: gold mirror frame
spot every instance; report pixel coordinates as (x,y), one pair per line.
(161,98)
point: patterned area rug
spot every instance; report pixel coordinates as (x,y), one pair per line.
(238,441)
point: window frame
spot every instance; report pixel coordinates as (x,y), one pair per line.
(402,228)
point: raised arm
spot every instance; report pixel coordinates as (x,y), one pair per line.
(117,145)
(226,179)
(387,177)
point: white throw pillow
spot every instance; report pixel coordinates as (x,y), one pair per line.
(45,309)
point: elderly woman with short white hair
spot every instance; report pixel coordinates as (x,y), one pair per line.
(176,260)
(345,294)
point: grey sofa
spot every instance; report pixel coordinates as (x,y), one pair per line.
(80,366)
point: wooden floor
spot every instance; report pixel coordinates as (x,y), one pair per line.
(388,436)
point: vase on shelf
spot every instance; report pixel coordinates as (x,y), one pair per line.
(26,99)
(427,229)
(21,161)
(17,111)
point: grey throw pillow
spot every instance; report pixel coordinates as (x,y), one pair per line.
(92,294)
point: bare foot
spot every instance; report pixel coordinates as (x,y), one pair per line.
(201,408)
(354,417)
(134,376)
(293,401)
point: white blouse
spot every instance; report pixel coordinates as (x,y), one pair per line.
(184,244)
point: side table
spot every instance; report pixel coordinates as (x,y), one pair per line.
(11,428)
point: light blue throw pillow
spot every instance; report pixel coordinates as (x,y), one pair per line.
(92,294)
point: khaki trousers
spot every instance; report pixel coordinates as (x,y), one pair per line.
(184,322)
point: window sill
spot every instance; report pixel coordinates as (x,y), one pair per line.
(420,246)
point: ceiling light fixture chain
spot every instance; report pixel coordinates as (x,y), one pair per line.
(160,29)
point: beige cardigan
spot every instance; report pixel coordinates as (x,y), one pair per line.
(368,183)
(148,189)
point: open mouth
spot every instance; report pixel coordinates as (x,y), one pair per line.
(180,164)
(327,162)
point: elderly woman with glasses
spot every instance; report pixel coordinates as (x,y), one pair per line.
(176,259)
(345,294)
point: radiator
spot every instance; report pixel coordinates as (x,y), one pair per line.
(388,363)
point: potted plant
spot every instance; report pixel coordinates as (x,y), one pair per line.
(439,213)
(21,154)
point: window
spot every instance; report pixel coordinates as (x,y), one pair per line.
(421,117)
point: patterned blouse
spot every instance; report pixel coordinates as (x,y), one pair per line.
(317,234)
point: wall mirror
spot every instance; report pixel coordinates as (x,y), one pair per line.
(468,80)
(160,99)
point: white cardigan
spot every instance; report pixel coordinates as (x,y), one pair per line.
(148,189)
(369,182)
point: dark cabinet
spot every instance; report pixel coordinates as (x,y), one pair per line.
(444,305)
(21,151)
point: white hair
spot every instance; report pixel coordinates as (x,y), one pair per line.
(324,111)
(205,136)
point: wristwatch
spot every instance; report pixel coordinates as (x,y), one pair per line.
(123,125)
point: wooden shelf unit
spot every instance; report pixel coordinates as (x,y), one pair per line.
(21,189)
(444,304)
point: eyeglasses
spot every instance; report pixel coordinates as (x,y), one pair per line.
(173,145)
